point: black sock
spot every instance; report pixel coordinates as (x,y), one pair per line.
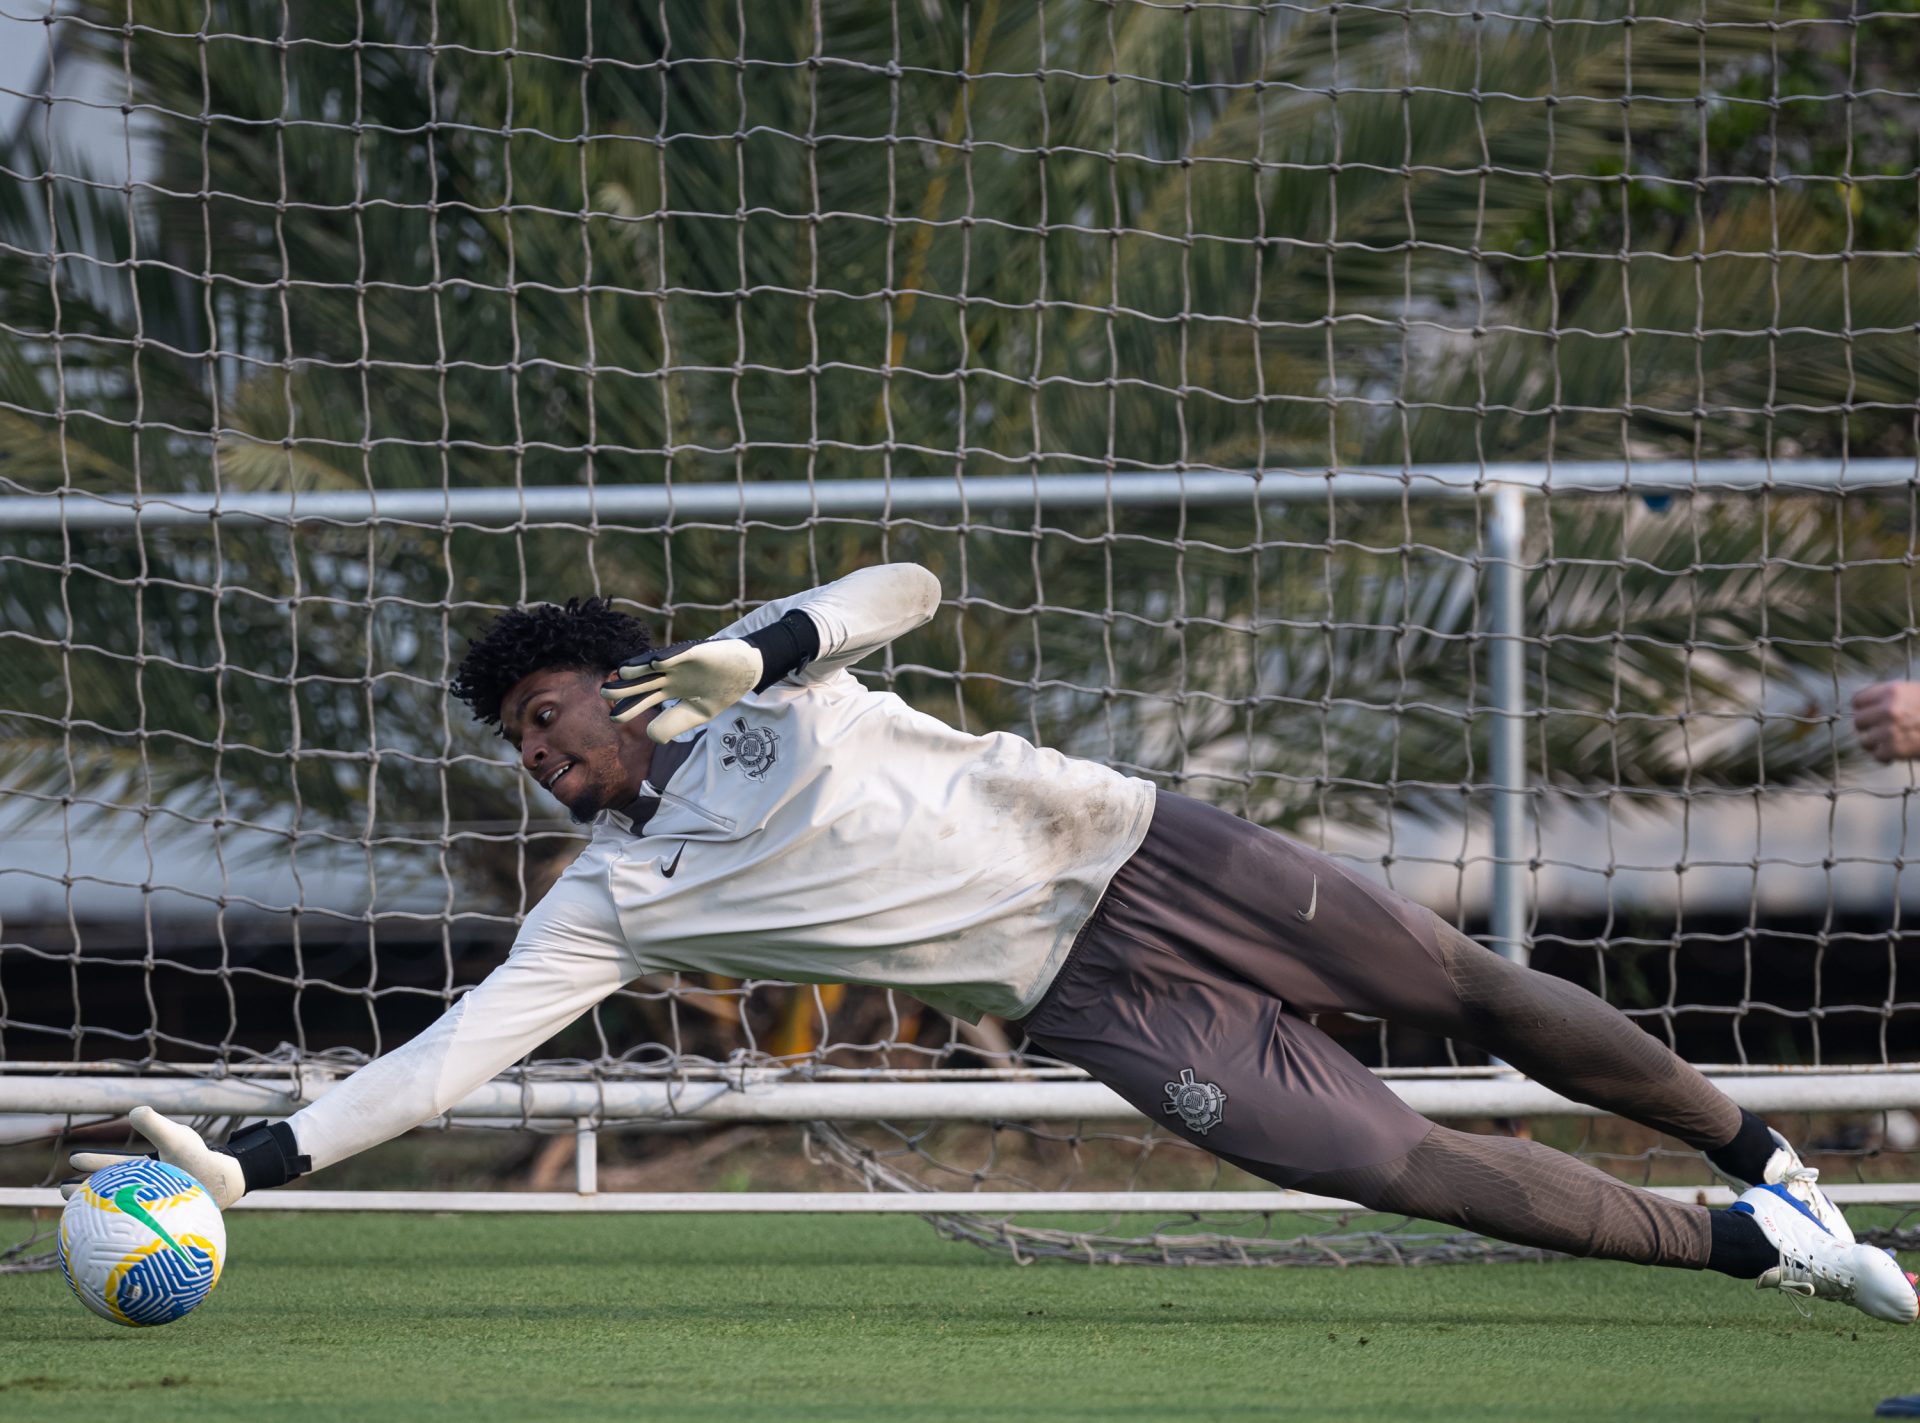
(1740,1248)
(1745,1157)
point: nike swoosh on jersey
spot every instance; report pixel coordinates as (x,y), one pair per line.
(674,864)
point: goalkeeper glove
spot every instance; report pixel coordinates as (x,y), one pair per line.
(703,679)
(261,1156)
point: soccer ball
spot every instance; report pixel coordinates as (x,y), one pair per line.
(142,1242)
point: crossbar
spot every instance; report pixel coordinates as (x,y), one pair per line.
(78,510)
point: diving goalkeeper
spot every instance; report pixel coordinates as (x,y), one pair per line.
(758,812)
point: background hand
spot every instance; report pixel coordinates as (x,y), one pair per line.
(1888,719)
(1886,716)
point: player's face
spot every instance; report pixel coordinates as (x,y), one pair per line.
(558,722)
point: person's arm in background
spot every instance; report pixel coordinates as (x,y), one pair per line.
(1886,717)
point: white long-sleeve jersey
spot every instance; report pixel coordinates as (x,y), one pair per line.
(818,832)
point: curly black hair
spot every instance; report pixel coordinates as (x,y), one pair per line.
(591,635)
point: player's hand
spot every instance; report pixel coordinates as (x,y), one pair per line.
(1886,716)
(703,680)
(177,1145)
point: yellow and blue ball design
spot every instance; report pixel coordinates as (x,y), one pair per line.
(142,1243)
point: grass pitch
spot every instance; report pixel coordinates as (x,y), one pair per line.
(827,1318)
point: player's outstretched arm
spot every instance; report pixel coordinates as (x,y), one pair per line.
(546,983)
(808,636)
(568,956)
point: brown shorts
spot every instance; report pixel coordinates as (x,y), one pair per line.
(1187,988)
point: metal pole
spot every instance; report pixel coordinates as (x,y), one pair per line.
(586,1157)
(78,510)
(1506,627)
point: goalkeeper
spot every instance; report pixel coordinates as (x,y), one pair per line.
(759,813)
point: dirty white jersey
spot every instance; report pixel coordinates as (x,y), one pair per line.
(817,832)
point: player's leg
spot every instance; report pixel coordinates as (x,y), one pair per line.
(1151,1002)
(1323,939)
(1217,1060)
(1566,1038)
(1518,1190)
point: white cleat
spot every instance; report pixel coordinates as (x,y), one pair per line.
(1814,1264)
(1785,1168)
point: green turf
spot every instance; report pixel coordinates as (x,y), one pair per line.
(819,1318)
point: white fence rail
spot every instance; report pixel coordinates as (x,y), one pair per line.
(1209,1203)
(1493,1095)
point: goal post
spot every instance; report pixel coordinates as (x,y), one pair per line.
(1480,444)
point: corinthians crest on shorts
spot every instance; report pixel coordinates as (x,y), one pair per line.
(751,748)
(1199,1105)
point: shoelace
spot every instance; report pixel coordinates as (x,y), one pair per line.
(1799,1279)
(1808,1176)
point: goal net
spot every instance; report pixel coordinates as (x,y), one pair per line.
(1481,444)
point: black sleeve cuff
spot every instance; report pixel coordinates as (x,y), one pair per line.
(785,647)
(268,1155)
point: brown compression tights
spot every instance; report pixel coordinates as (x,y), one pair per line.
(1567,1039)
(1529,1194)
(1563,1037)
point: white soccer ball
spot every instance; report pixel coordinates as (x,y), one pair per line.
(142,1242)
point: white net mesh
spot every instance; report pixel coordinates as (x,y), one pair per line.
(742,259)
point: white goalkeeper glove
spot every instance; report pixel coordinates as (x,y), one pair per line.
(263,1155)
(703,681)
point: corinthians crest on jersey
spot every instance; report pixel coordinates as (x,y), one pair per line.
(752,749)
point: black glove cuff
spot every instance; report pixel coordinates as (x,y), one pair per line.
(268,1155)
(785,647)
